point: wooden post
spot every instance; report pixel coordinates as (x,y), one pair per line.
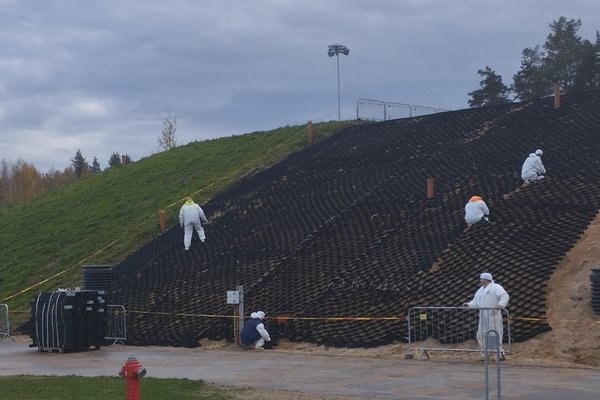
(309,132)
(238,316)
(556,96)
(162,220)
(429,188)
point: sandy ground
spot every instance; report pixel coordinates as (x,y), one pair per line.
(575,334)
(561,364)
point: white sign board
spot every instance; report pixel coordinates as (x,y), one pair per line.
(233,297)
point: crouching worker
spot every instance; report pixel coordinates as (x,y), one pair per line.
(533,169)
(254,332)
(476,210)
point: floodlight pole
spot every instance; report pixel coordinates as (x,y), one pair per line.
(336,49)
(338,79)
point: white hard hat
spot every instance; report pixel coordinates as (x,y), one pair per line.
(486,276)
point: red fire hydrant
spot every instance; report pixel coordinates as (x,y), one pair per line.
(132,371)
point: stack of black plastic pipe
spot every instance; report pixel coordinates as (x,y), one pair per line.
(68,320)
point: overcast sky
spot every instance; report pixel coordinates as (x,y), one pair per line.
(102,75)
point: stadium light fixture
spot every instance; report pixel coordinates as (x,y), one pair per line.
(335,50)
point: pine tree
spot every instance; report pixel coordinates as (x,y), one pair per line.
(115,160)
(80,166)
(491,92)
(565,60)
(95,166)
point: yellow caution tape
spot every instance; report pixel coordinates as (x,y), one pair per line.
(27,289)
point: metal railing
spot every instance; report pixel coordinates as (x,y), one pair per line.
(116,324)
(455,329)
(378,110)
(4,324)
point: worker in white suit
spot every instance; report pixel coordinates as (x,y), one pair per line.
(490,298)
(190,216)
(476,210)
(533,169)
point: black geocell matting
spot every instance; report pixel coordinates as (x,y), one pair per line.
(344,228)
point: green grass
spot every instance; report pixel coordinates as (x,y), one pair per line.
(103,218)
(105,388)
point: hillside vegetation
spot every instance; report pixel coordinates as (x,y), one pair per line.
(103,218)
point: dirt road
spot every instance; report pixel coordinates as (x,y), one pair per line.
(309,375)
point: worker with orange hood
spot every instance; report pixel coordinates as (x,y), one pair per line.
(476,210)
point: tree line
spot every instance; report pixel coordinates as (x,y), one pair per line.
(22,181)
(565,59)
(81,168)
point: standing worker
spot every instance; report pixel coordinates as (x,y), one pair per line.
(254,332)
(476,210)
(533,168)
(189,219)
(492,298)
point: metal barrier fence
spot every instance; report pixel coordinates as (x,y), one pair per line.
(116,324)
(453,329)
(377,110)
(4,324)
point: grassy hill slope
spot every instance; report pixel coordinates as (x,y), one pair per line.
(102,218)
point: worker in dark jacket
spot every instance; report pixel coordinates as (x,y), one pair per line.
(254,332)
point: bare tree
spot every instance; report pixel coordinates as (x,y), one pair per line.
(22,181)
(167,139)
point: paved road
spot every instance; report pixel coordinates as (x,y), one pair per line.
(364,377)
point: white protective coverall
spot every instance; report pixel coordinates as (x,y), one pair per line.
(475,210)
(190,215)
(533,168)
(254,331)
(489,296)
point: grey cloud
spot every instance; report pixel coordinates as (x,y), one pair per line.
(100,75)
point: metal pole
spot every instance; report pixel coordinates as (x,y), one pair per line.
(337,55)
(487,344)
